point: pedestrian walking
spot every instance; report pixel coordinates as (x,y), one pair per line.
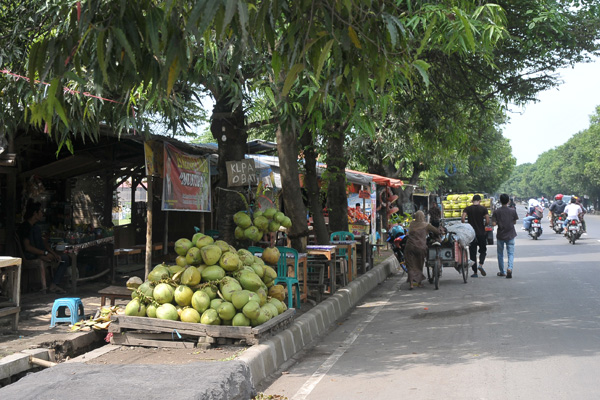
(505,219)
(435,215)
(476,214)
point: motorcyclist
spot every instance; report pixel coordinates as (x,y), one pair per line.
(573,211)
(578,201)
(557,208)
(535,211)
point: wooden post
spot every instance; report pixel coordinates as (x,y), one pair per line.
(166,236)
(149,226)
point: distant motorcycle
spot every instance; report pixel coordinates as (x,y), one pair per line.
(574,231)
(397,237)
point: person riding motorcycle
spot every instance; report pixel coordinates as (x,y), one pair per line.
(557,208)
(578,201)
(573,211)
(535,211)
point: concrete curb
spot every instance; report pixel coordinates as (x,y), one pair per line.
(265,358)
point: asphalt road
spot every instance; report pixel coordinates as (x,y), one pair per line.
(536,336)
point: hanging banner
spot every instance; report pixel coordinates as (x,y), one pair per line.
(374,213)
(153,155)
(186,182)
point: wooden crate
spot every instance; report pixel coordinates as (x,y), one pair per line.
(154,332)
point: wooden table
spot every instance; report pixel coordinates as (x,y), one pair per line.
(114,292)
(74,249)
(350,246)
(12,266)
(327,251)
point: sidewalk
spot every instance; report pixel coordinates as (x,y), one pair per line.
(233,379)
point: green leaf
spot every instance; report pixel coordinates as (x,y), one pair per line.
(354,37)
(422,67)
(322,57)
(208,15)
(101,56)
(61,112)
(123,41)
(276,64)
(192,21)
(173,72)
(291,78)
(230,7)
(468,30)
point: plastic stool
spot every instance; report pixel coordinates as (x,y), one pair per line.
(59,314)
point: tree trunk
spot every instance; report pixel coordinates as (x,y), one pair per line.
(227,128)
(292,195)
(311,185)
(337,199)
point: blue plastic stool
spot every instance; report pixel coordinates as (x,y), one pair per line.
(59,314)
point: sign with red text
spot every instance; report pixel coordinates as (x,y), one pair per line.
(186,182)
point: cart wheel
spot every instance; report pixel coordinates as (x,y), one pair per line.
(429,274)
(437,269)
(465,266)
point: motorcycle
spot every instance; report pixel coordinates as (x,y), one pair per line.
(397,237)
(535,229)
(556,223)
(574,231)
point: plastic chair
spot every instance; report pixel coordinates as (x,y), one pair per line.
(59,314)
(341,235)
(341,255)
(282,274)
(255,249)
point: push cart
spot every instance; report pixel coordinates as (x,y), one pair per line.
(447,252)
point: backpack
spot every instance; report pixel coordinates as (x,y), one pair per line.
(538,211)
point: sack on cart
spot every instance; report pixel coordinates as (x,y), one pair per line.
(462,232)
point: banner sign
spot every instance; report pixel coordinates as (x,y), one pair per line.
(186,182)
(241,173)
(153,154)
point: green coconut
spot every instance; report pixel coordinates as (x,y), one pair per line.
(183,295)
(158,273)
(226,311)
(135,308)
(272,308)
(229,288)
(229,261)
(167,311)
(213,273)
(242,297)
(262,296)
(151,311)
(193,256)
(147,288)
(251,232)
(240,320)
(242,219)
(245,256)
(189,315)
(251,309)
(278,305)
(270,212)
(287,222)
(258,213)
(249,280)
(270,274)
(265,314)
(271,255)
(204,241)
(279,217)
(173,269)
(134,282)
(200,301)
(163,293)
(258,270)
(191,276)
(258,260)
(223,245)
(215,303)
(211,291)
(261,223)
(210,317)
(211,254)
(197,236)
(182,246)
(238,233)
(273,226)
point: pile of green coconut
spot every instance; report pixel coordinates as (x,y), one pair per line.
(253,226)
(211,283)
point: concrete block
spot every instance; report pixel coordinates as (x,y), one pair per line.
(19,362)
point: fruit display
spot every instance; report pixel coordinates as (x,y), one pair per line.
(212,283)
(355,216)
(254,225)
(454,204)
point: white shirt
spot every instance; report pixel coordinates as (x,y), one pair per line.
(533,203)
(572,210)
